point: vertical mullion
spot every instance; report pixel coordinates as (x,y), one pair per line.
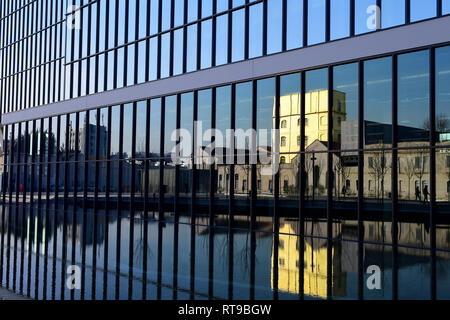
(352,18)
(56,207)
(132,202)
(264,31)
(247,30)
(230,32)
(233,152)
(31,210)
(24,205)
(72,52)
(39,214)
(97,47)
(86,137)
(136,45)
(214,34)
(147,42)
(284,26)
(253,182)
(193,159)
(360,179)
(96,205)
(176,208)
(305,23)
(439,8)
(330,180)
(116,42)
(433,278)
(199,35)
(162,161)
(407,11)
(47,206)
(65,205)
(158,67)
(380,15)
(172,24)
(107,53)
(394,176)
(107,205)
(126,39)
(119,205)
(301,182)
(212,170)
(17,199)
(212,188)
(75,195)
(327,20)
(146,206)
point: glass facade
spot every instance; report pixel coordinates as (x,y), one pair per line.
(71,48)
(283,187)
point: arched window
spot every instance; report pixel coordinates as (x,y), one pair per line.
(283,141)
(283,124)
(282,160)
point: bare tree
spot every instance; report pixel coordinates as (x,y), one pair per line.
(378,170)
(343,172)
(409,172)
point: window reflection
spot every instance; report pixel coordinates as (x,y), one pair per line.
(413,99)
(378,102)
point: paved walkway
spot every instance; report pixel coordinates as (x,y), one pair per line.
(8,295)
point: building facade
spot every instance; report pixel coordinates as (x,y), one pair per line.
(349,99)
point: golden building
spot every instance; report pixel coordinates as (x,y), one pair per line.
(316,120)
(315,265)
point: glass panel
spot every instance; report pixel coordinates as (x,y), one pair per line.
(316,21)
(378,192)
(413,99)
(185,177)
(290,129)
(238,38)
(340,19)
(274,20)
(265,124)
(378,102)
(243,145)
(422,9)
(155,152)
(223,125)
(255,31)
(170,127)
(414,195)
(366,16)
(392,13)
(203,152)
(294,24)
(443,95)
(316,161)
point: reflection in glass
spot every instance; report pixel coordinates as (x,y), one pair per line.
(392,13)
(316,21)
(223,123)
(378,102)
(443,95)
(413,99)
(340,19)
(290,128)
(422,9)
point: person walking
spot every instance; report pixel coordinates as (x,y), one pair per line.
(426,193)
(418,197)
